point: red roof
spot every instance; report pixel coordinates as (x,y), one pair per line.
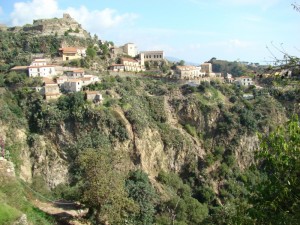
(92,92)
(186,67)
(78,71)
(129,60)
(48,81)
(19,68)
(68,50)
(117,64)
(41,66)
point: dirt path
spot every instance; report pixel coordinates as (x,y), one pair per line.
(65,213)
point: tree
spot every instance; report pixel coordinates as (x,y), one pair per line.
(104,186)
(104,48)
(91,52)
(140,189)
(181,63)
(276,198)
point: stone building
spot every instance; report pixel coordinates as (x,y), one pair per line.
(50,89)
(93,96)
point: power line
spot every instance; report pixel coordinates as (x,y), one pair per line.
(49,200)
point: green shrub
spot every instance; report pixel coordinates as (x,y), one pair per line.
(191,130)
(8,214)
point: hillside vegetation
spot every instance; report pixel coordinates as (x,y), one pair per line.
(154,152)
(174,153)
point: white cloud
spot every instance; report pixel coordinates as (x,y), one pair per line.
(92,20)
(25,12)
(1,10)
(97,20)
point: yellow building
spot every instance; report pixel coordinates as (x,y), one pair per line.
(69,53)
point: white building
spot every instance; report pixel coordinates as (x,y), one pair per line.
(75,73)
(188,72)
(89,79)
(75,82)
(117,67)
(152,55)
(61,80)
(244,81)
(73,85)
(206,68)
(229,78)
(130,49)
(93,96)
(39,68)
(132,65)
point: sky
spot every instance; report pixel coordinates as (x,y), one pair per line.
(191,30)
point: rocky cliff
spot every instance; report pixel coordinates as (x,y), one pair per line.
(179,132)
(56,26)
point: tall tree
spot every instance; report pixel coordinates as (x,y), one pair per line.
(140,189)
(104,186)
(276,198)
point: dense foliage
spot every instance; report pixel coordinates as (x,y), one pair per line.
(208,190)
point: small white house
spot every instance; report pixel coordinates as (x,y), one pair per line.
(41,71)
(39,68)
(76,73)
(244,81)
(73,85)
(89,79)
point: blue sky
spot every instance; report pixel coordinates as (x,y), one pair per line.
(192,30)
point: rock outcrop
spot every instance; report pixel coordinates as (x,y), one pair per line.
(56,26)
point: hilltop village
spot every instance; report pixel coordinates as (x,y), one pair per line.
(62,72)
(95,133)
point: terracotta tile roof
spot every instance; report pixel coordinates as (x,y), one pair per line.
(186,67)
(19,68)
(92,92)
(62,78)
(129,60)
(78,71)
(47,81)
(41,66)
(68,50)
(86,78)
(74,80)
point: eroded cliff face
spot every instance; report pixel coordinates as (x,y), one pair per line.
(168,146)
